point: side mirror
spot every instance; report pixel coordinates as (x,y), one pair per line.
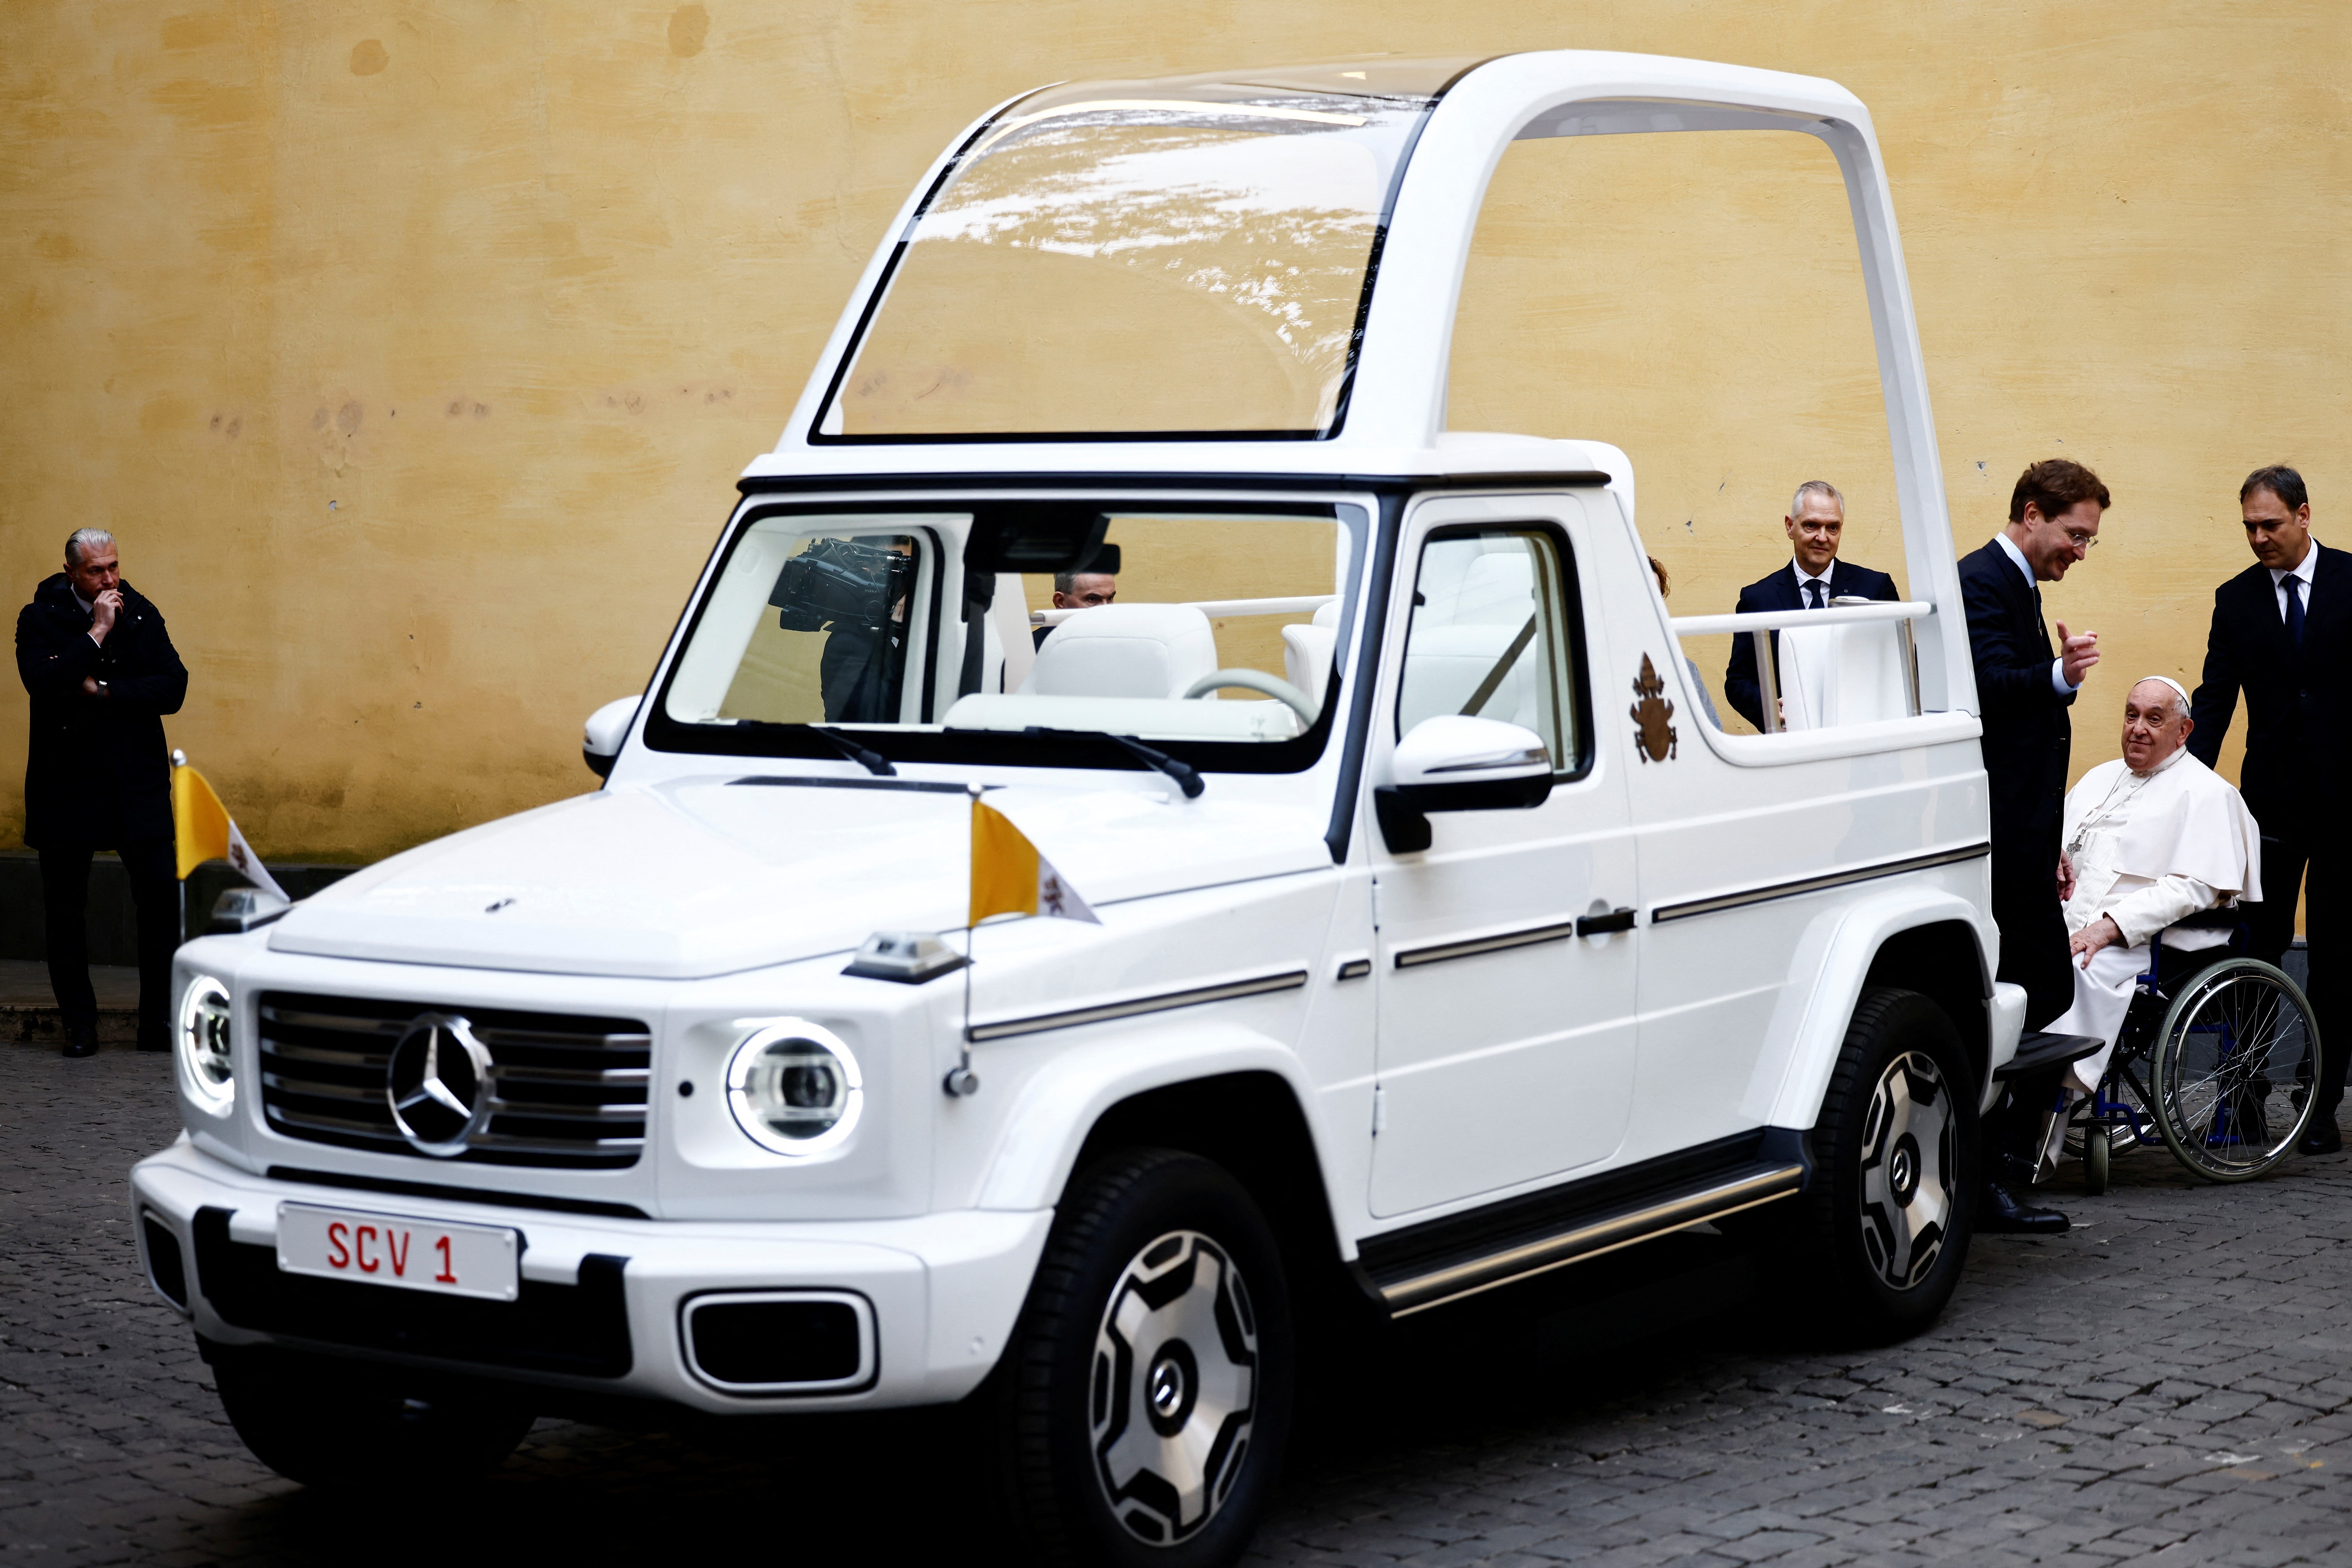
(1455,763)
(600,746)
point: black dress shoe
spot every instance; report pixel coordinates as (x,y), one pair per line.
(2320,1138)
(2001,1214)
(82,1041)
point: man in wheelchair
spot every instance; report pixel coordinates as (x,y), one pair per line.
(2151,839)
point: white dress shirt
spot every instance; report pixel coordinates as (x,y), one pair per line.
(2304,570)
(1805,600)
(2058,681)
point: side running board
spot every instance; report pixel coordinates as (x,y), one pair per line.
(2038,1051)
(1427,1266)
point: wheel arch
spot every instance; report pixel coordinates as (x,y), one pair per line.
(1919,939)
(1224,1092)
(1249,1124)
(1940,959)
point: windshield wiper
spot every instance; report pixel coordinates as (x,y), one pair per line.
(1187,777)
(866,757)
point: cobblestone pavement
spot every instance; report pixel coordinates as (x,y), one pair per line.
(2171,1381)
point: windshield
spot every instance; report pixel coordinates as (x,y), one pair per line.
(1213,630)
(1185,256)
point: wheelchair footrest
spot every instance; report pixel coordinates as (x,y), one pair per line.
(2041,1050)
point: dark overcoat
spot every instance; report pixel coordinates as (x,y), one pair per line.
(96,773)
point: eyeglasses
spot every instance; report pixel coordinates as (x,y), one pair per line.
(2086,542)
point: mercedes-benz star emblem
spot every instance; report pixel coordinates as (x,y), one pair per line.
(435,1083)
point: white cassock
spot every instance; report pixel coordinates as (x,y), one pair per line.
(2148,848)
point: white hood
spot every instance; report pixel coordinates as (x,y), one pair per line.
(702,877)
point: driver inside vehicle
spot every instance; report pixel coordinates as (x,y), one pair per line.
(1078,591)
(1210,628)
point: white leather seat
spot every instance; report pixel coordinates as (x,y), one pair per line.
(1125,650)
(1307,651)
(1841,675)
(1458,636)
(1443,671)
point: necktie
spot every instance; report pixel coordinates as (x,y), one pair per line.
(2294,612)
(1813,587)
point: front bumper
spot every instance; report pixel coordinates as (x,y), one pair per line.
(602,1299)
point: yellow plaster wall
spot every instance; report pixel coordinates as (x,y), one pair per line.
(412,350)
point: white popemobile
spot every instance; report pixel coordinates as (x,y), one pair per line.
(1441,940)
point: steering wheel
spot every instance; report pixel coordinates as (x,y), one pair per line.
(1273,686)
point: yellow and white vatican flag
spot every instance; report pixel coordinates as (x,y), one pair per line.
(1010,878)
(206,832)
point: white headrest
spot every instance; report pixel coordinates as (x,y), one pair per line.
(1307,657)
(1499,587)
(1125,650)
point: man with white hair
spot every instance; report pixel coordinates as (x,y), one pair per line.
(101,671)
(1813,577)
(2150,838)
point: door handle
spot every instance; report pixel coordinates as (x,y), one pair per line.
(1601,925)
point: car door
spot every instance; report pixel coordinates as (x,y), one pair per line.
(1506,1040)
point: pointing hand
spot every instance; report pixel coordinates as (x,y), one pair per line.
(2076,654)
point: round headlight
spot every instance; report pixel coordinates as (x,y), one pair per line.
(203,1044)
(794,1088)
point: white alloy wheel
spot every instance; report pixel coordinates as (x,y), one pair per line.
(1908,1169)
(1174,1387)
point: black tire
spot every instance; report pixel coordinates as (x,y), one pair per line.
(1145,1242)
(1872,1261)
(2098,1153)
(2278,1053)
(335,1424)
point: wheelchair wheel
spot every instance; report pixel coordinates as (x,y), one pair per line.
(2234,1063)
(2097,1148)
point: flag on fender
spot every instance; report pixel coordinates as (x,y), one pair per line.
(205,831)
(1010,878)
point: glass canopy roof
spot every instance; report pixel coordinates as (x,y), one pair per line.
(1183,257)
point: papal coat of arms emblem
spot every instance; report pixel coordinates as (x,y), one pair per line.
(1654,729)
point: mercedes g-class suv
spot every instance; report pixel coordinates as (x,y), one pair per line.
(1440,939)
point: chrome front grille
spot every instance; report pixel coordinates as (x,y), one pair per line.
(564,1091)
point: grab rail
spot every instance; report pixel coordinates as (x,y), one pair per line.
(1844,611)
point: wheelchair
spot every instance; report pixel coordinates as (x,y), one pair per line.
(2217,1061)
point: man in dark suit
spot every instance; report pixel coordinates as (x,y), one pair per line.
(1816,518)
(2023,690)
(103,673)
(2282,631)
